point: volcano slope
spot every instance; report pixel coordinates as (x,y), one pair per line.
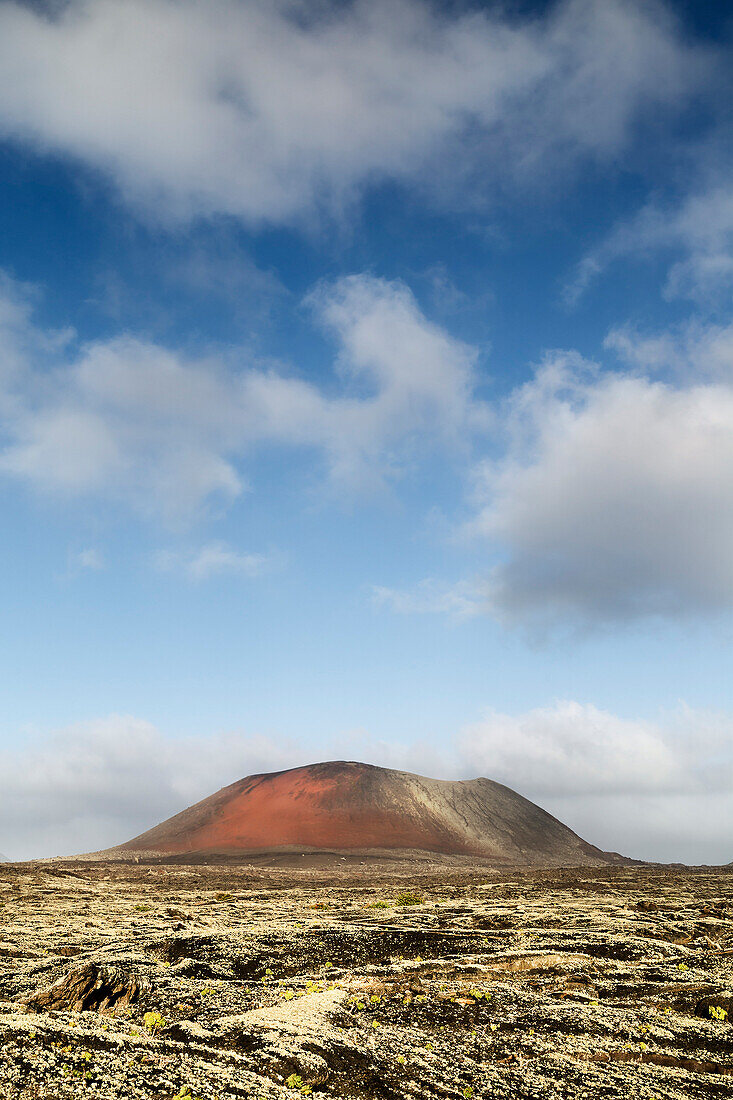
(347,806)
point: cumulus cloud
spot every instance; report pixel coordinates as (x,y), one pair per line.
(608,498)
(569,748)
(125,417)
(213,559)
(612,501)
(413,380)
(265,110)
(653,789)
(131,419)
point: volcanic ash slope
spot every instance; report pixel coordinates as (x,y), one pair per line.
(346,806)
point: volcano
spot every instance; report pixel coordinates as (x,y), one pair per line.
(343,806)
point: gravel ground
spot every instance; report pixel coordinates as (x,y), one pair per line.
(364,979)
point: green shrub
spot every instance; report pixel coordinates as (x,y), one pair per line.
(408,897)
(153,1022)
(295,1081)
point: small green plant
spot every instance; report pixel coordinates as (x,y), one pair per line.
(718,1013)
(408,897)
(153,1022)
(295,1081)
(142,908)
(468,1092)
(682,966)
(378,905)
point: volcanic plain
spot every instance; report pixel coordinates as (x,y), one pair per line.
(343,976)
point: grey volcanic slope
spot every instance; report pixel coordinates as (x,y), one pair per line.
(344,805)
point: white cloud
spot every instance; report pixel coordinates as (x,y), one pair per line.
(695,233)
(408,379)
(265,110)
(125,418)
(462,600)
(130,419)
(694,351)
(609,498)
(703,228)
(101,782)
(568,748)
(98,783)
(653,789)
(91,558)
(613,501)
(20,339)
(213,559)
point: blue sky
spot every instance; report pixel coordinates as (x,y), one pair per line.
(366,390)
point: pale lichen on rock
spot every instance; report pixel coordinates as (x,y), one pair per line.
(155,980)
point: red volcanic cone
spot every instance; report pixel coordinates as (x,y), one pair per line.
(350,806)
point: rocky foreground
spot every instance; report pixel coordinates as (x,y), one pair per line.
(364,980)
